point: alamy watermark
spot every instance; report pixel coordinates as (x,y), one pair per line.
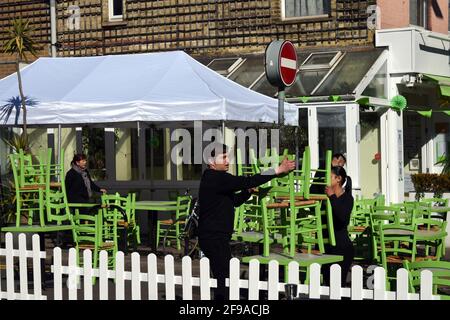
(197,148)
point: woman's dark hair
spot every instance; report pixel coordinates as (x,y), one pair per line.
(340,171)
(78,157)
(339,155)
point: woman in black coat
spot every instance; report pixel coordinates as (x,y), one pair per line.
(341,201)
(79,185)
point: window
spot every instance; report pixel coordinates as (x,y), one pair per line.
(305,8)
(418,13)
(323,60)
(115,9)
(225,66)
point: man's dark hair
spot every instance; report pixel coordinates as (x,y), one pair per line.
(218,147)
(339,155)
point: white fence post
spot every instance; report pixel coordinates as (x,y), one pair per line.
(120,272)
(57,273)
(253,280)
(186,265)
(73,275)
(402,284)
(234,281)
(314,281)
(135,276)
(205,289)
(273,280)
(357,283)
(426,285)
(379,290)
(152,277)
(103,275)
(335,282)
(87,274)
(10,267)
(169,277)
(37,281)
(23,272)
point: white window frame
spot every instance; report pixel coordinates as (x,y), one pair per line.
(113,17)
(284,18)
(425,9)
(329,65)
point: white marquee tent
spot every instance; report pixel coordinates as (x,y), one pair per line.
(150,87)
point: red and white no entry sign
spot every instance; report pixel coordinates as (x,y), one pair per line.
(288,63)
(281,63)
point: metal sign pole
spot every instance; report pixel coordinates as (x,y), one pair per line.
(281,96)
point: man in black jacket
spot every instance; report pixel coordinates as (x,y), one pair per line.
(217,199)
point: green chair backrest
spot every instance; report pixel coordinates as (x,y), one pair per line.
(393,238)
(440,270)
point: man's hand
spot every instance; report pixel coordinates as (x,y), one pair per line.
(329,191)
(285,166)
(252,190)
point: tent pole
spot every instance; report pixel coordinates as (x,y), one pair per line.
(59,148)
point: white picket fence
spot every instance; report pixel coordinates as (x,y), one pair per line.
(81,278)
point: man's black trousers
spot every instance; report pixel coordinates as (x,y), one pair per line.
(218,252)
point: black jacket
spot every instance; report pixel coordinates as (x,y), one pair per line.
(76,189)
(218,197)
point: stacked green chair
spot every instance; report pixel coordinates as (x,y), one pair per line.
(431,232)
(247,216)
(126,221)
(95,234)
(29,181)
(441,276)
(181,211)
(299,222)
(359,230)
(397,243)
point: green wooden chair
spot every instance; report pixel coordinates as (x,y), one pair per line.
(29,186)
(441,276)
(397,243)
(431,232)
(92,233)
(126,219)
(180,211)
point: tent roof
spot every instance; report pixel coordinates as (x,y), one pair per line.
(166,86)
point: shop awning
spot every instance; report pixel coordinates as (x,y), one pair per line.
(443,82)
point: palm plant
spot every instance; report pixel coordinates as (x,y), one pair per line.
(445,161)
(20,43)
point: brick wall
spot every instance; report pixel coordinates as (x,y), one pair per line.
(37,11)
(394,14)
(438,16)
(205,26)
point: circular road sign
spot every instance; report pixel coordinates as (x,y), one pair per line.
(281,63)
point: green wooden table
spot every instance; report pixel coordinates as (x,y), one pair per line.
(154,206)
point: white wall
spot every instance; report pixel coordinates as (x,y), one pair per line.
(415,50)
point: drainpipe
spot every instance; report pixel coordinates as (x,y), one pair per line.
(53,38)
